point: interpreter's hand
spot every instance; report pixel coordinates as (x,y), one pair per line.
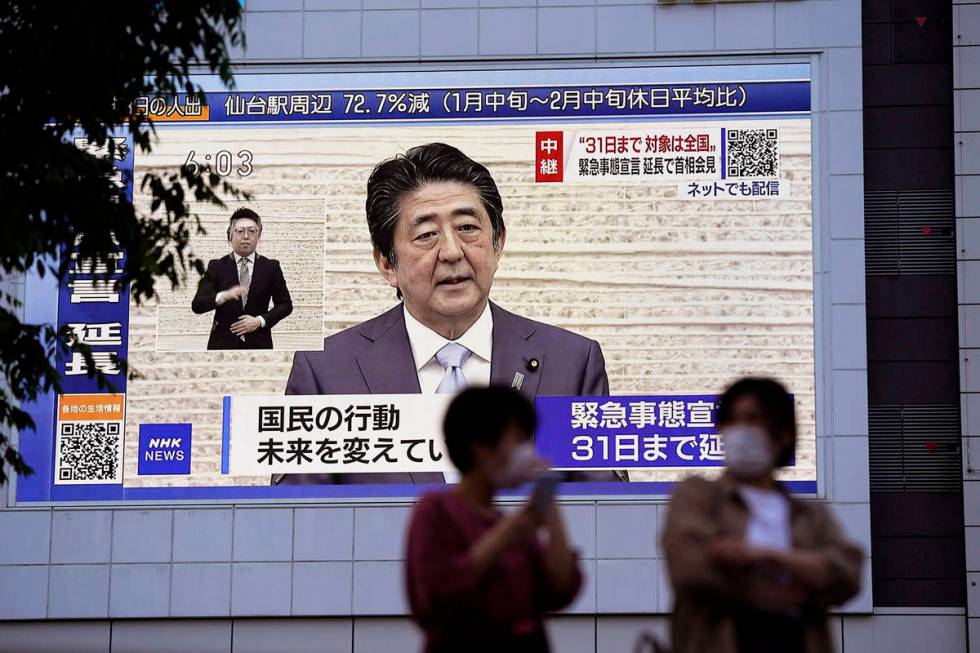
(235,292)
(245,324)
(732,553)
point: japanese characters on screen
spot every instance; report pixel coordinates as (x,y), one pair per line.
(654,243)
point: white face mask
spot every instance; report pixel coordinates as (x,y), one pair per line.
(748,452)
(519,468)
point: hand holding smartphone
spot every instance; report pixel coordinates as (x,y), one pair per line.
(543,491)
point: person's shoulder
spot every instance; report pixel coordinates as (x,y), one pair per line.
(338,357)
(432,505)
(562,338)
(219,266)
(433,499)
(696,482)
(355,336)
(696,488)
(271,261)
(814,509)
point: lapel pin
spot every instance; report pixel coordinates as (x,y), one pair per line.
(533,365)
(518,381)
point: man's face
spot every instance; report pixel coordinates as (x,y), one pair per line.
(445,259)
(244,236)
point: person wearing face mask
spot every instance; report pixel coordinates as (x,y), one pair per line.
(479,579)
(754,569)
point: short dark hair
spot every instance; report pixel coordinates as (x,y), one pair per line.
(241,214)
(393,178)
(480,416)
(778,404)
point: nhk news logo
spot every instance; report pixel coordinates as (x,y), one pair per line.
(164,449)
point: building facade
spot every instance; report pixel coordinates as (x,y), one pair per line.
(896,197)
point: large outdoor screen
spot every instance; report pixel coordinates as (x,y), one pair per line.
(658,244)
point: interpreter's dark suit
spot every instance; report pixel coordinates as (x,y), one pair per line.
(375,357)
(267,284)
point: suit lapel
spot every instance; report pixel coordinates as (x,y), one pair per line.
(386,363)
(388,367)
(512,349)
(255,284)
(231,269)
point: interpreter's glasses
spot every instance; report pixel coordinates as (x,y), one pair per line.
(251,231)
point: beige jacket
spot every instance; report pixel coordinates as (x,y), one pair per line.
(702,510)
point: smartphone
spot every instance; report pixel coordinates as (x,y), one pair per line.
(543,492)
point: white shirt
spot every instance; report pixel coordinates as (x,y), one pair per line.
(768,524)
(476,370)
(250,257)
(425,343)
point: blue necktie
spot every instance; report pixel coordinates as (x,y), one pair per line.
(451,357)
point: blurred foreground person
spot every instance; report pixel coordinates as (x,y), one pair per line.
(754,570)
(479,579)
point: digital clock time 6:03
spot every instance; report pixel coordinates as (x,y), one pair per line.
(221,162)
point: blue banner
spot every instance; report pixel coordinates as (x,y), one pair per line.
(475,103)
(90,304)
(622,432)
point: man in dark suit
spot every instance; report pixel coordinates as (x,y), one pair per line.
(238,288)
(533,357)
(436,223)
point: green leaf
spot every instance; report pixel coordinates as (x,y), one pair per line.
(96,59)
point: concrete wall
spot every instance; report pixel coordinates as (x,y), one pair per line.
(105,569)
(966,102)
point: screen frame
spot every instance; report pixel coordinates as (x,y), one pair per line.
(270,78)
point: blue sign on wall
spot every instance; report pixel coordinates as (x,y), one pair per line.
(165,449)
(620,432)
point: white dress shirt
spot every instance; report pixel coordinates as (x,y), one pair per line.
(425,343)
(221,297)
(476,370)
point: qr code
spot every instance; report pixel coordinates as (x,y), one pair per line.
(89,452)
(752,153)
